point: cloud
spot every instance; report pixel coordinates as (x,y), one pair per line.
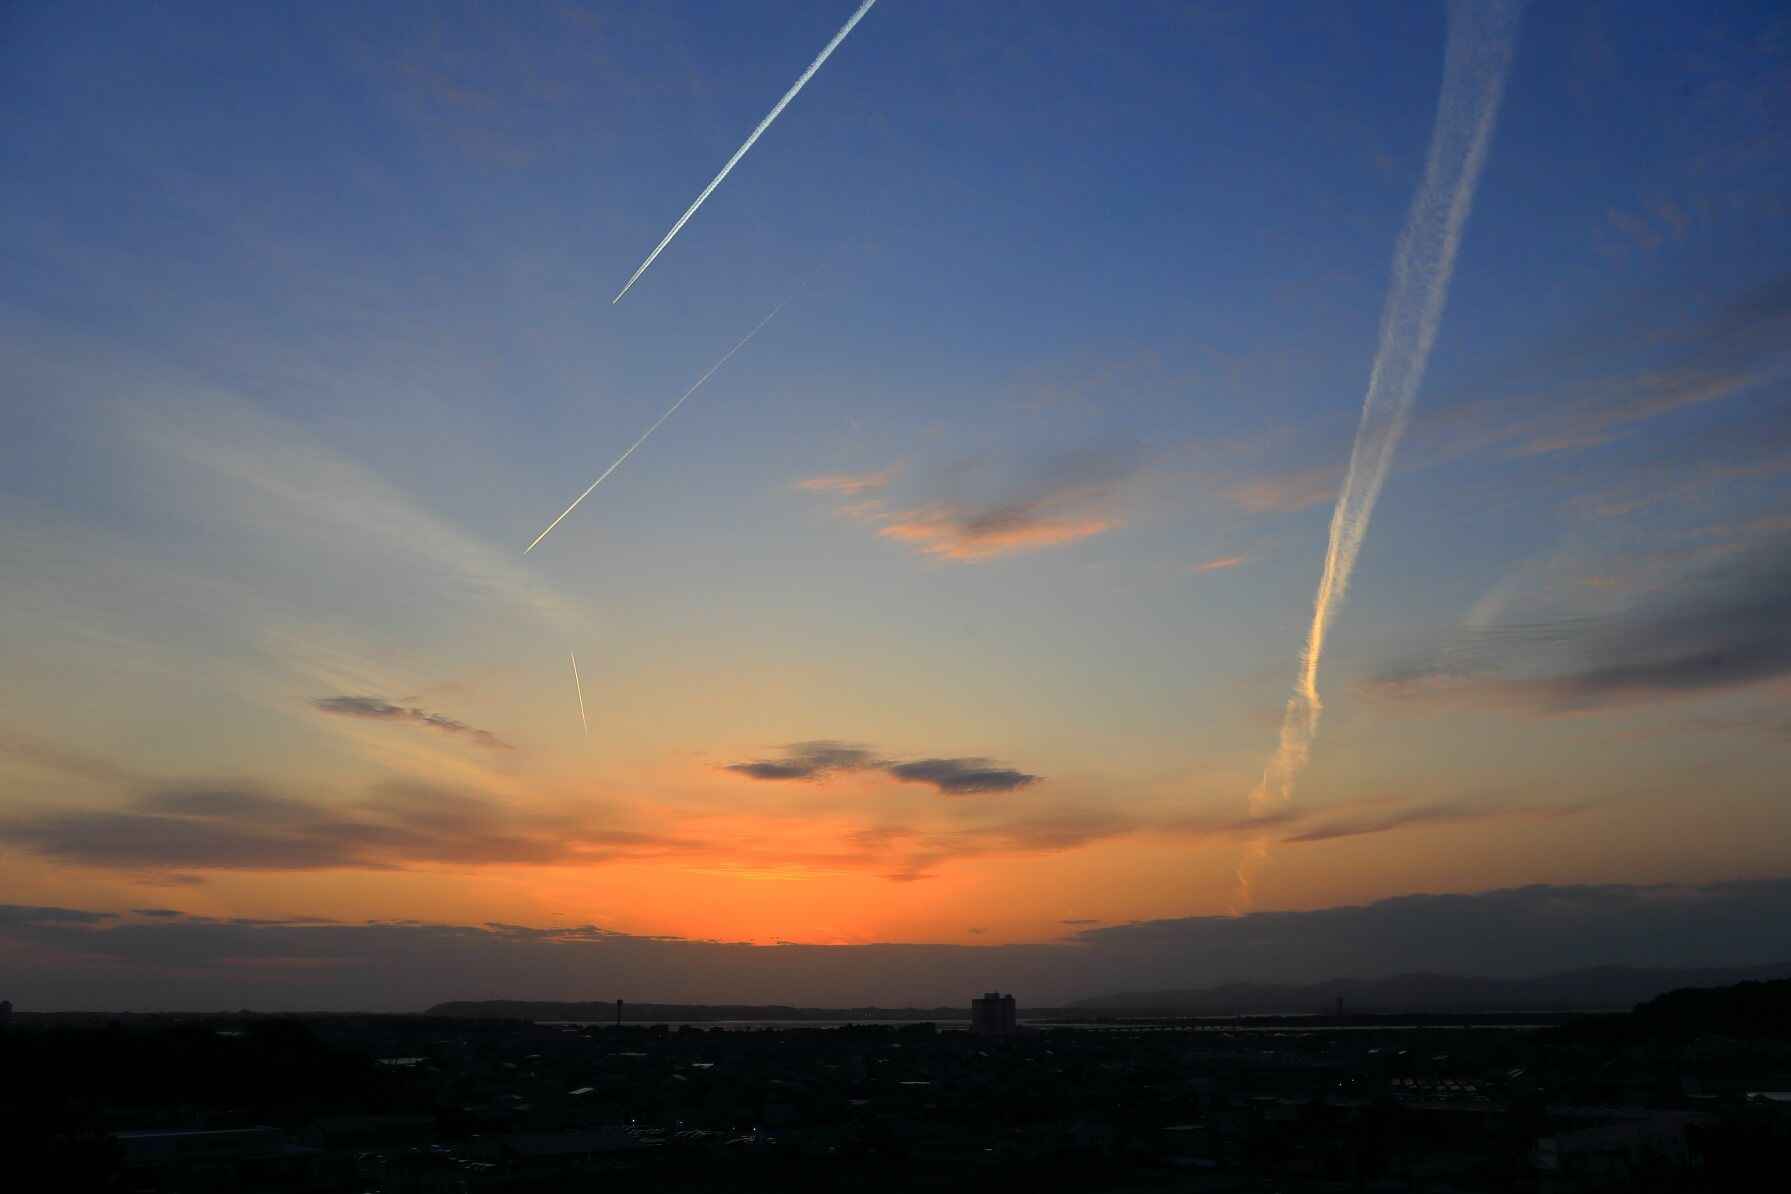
(377,709)
(1721,628)
(37,752)
(17,915)
(909,843)
(845,483)
(209,829)
(157,912)
(810,761)
(86,958)
(1290,493)
(1597,414)
(1221,562)
(1591,387)
(1635,228)
(1354,818)
(1585,389)
(1063,500)
(1507,933)
(820,759)
(911,853)
(235,803)
(962,777)
(175,834)
(1752,444)
(954,532)
(281,490)
(1361,824)
(1079,920)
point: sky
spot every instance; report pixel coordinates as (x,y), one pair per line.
(942,635)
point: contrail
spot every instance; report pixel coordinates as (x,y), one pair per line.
(756,134)
(1481,37)
(662,418)
(580,688)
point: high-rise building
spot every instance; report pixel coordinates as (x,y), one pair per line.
(994,1012)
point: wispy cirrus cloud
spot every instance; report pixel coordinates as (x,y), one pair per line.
(249,471)
(1360,818)
(1722,627)
(1600,412)
(1593,387)
(1221,563)
(33,751)
(1351,823)
(1584,393)
(910,853)
(242,828)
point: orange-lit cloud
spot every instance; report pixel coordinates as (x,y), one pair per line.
(956,533)
(845,483)
(1290,492)
(1221,562)
(1049,503)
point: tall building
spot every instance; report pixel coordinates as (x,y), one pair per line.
(994,1012)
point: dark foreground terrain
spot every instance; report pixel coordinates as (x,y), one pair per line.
(1687,1093)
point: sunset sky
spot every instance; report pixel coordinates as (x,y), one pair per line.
(960,606)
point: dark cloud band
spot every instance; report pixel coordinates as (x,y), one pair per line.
(186,962)
(818,760)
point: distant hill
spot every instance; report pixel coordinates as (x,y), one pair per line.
(1596,988)
(674,1013)
(1747,1011)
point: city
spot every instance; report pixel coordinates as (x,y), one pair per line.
(1690,1092)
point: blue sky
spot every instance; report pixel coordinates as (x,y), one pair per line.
(305,333)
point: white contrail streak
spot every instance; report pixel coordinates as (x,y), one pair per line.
(756,134)
(655,427)
(580,689)
(1482,34)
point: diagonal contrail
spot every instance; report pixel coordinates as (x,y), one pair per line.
(580,689)
(655,427)
(1482,34)
(741,152)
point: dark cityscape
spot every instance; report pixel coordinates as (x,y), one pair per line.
(1689,1092)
